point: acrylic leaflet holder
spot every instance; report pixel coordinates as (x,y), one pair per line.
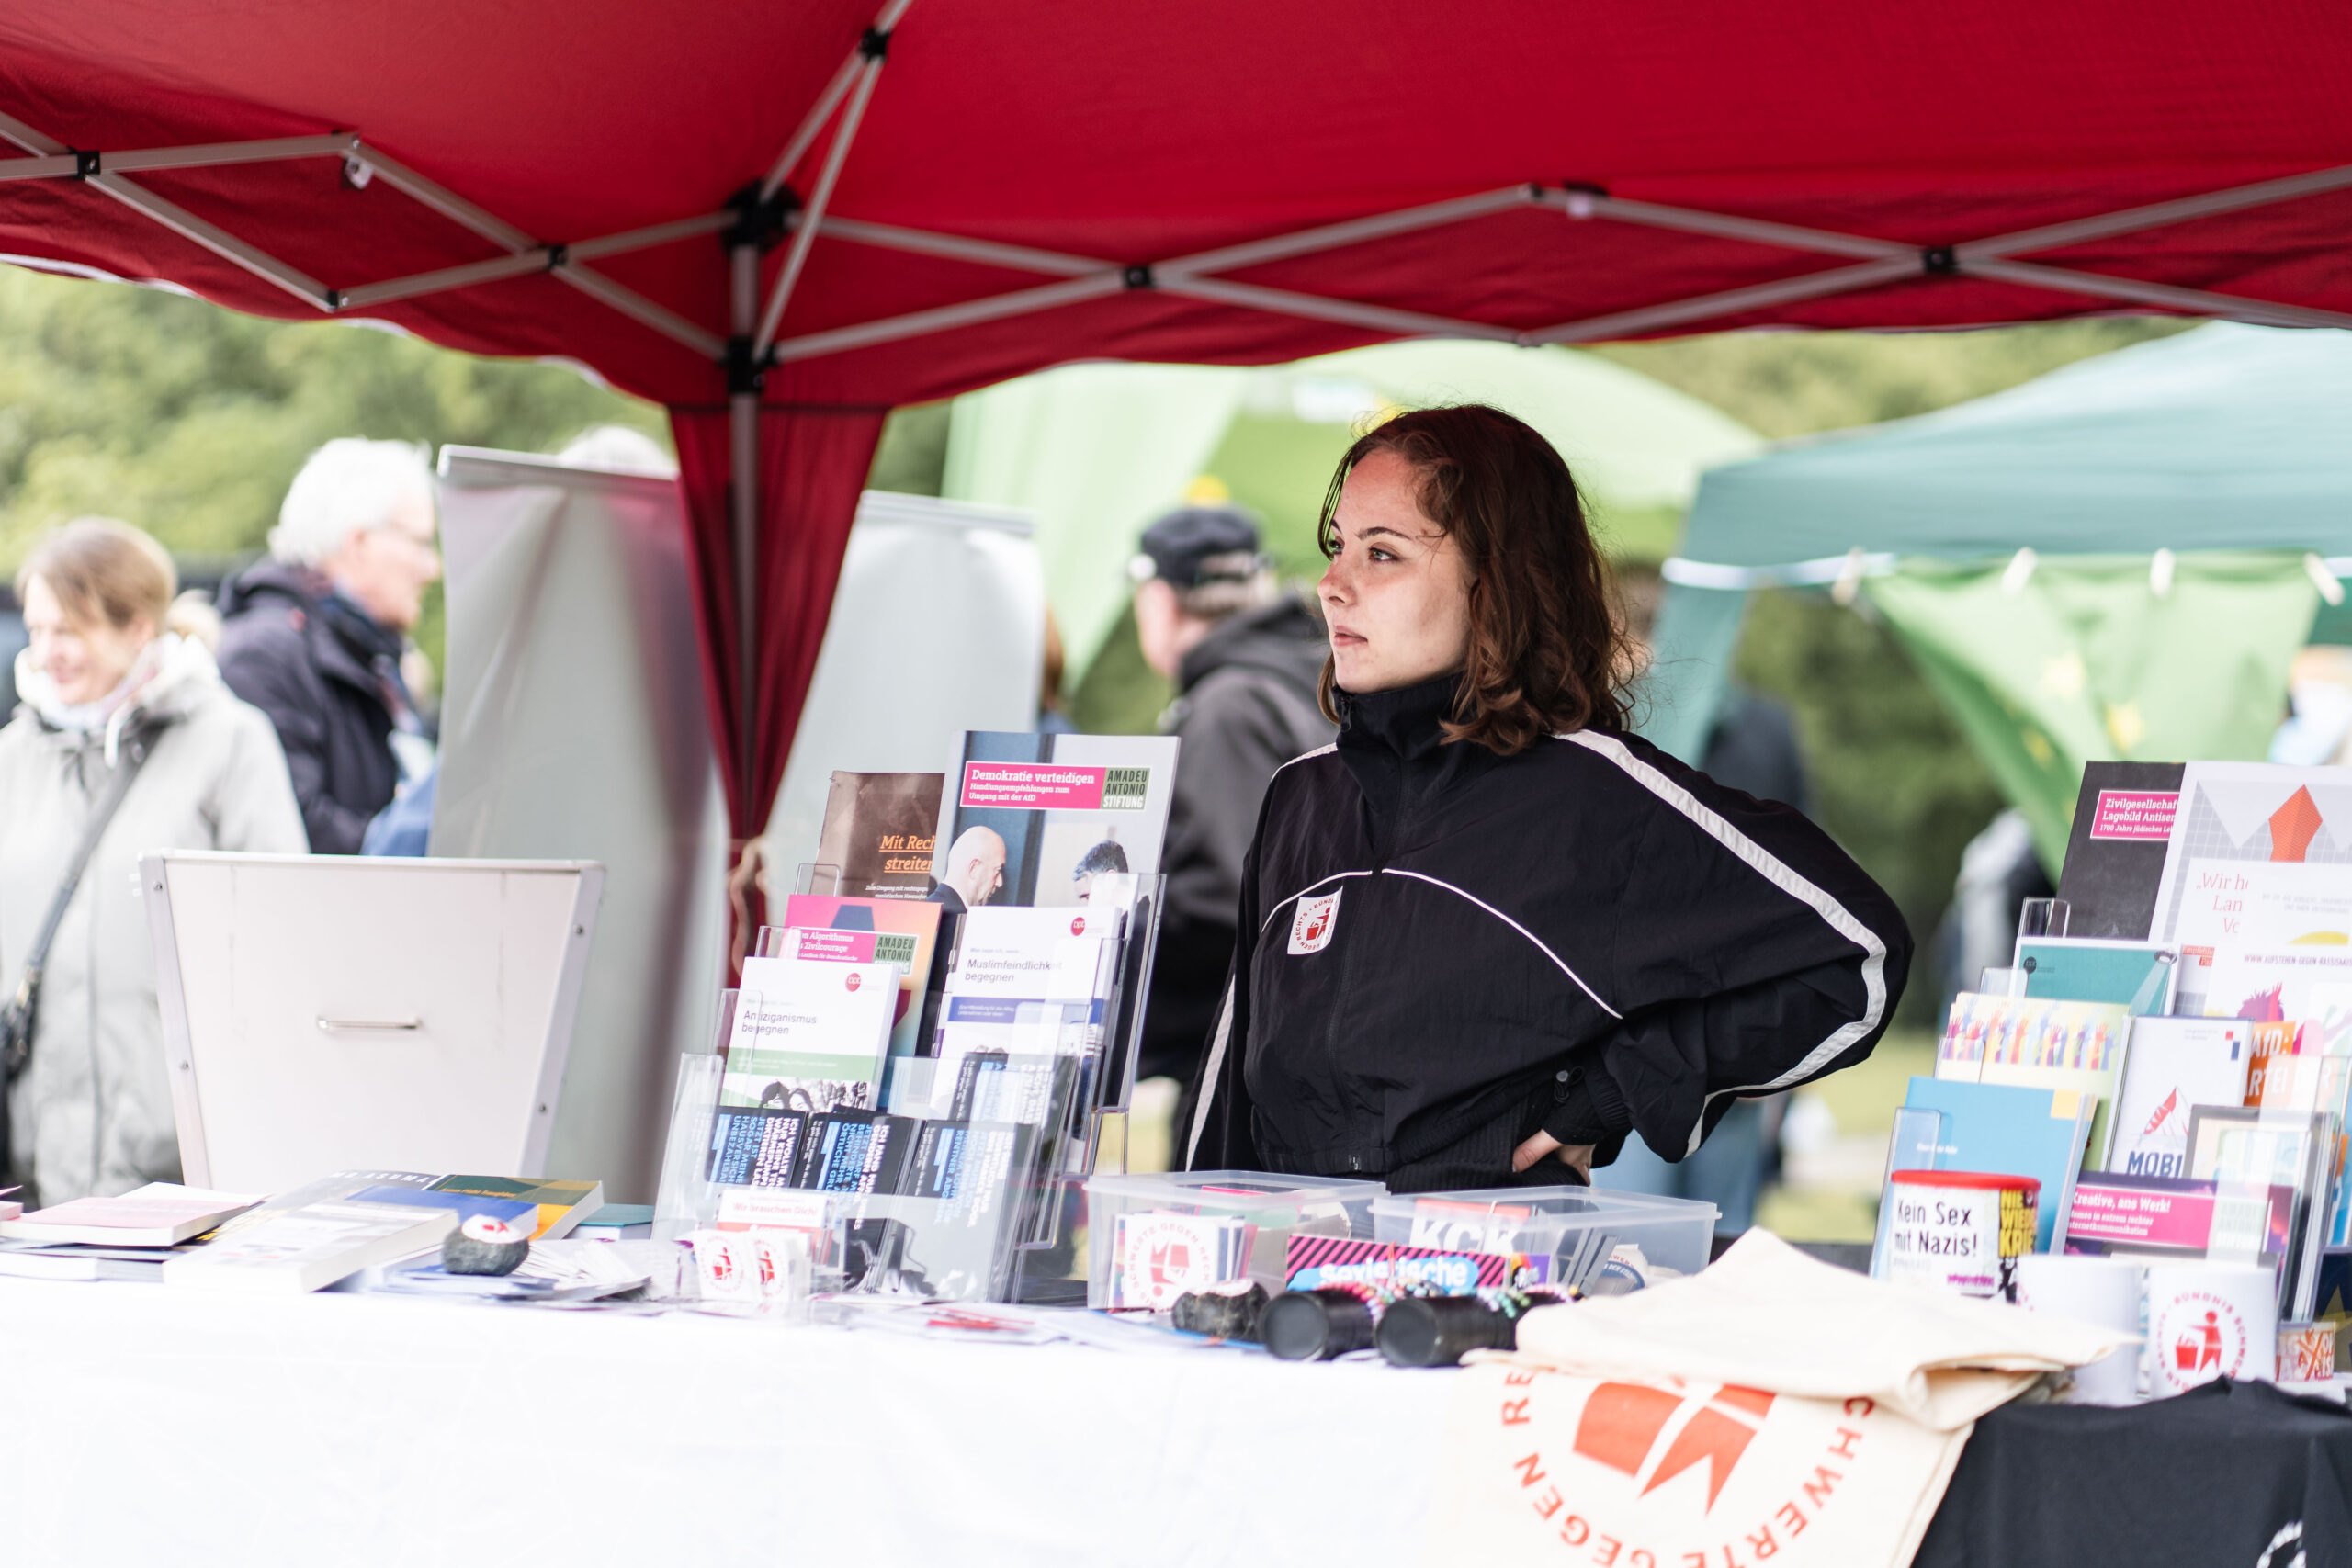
(942,1160)
(949,1213)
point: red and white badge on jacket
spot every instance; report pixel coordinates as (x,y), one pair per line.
(1311,926)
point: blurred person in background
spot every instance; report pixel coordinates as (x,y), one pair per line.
(314,636)
(109,683)
(1999,871)
(1246,659)
(405,825)
(1752,747)
(1053,711)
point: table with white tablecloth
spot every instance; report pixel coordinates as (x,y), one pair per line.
(152,1424)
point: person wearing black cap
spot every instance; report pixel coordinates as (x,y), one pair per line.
(1245,657)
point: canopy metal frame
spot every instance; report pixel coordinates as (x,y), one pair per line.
(755,341)
(1869,262)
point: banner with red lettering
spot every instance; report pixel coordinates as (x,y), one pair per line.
(1547,1468)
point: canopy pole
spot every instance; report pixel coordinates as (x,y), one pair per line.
(743,494)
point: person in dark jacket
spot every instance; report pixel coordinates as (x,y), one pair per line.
(1245,657)
(1488,935)
(313,636)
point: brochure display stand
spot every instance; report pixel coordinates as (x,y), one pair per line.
(944,1159)
(2162,1075)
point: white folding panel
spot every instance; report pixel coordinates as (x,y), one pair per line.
(575,726)
(325,1013)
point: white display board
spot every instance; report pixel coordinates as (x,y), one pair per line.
(575,726)
(938,627)
(333,1012)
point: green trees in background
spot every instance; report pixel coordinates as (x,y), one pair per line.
(189,420)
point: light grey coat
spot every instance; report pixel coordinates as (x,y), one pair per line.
(93,1111)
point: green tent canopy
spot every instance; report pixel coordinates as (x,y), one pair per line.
(2225,438)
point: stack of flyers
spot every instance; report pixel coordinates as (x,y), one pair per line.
(1158,1255)
(893,931)
(995,1086)
(808,1036)
(856,1151)
(1583,1257)
(757,1148)
(1029,981)
(968,1167)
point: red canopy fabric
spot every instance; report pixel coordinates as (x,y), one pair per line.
(1620,170)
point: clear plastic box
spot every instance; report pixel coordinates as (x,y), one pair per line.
(1276,1204)
(1673,1233)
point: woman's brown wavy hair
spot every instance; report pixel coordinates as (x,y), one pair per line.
(1547,653)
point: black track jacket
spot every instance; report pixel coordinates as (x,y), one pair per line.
(1444,950)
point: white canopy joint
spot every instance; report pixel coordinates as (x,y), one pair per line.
(2324,578)
(2020,572)
(1848,585)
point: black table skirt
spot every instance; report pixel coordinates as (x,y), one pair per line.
(2228,1475)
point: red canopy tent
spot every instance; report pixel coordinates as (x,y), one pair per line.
(781,220)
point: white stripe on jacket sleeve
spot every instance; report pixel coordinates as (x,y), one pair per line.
(1214,1068)
(1782,875)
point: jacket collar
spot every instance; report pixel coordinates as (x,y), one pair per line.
(344,641)
(1406,723)
(172,674)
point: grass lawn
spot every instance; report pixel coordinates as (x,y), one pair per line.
(1834,1141)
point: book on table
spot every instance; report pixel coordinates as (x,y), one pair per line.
(160,1213)
(71,1260)
(559,1204)
(2176,1217)
(2117,848)
(309,1248)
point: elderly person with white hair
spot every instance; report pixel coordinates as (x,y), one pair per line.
(313,636)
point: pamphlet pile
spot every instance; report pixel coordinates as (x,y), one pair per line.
(916,1068)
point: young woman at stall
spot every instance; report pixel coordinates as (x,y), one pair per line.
(1488,933)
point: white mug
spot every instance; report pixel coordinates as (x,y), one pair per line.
(2210,1320)
(2104,1290)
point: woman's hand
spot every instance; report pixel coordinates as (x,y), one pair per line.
(1543,1146)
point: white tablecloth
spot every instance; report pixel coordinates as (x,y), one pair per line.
(144,1425)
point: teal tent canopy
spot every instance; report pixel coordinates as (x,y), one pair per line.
(2225,437)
